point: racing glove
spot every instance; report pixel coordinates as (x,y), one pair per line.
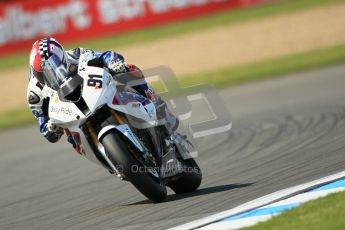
(53,128)
(117,66)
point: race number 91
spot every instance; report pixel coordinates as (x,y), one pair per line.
(95,81)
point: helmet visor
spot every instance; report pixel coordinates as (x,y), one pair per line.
(55,72)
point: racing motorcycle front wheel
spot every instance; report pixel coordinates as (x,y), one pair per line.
(149,184)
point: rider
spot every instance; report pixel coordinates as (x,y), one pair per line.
(114,62)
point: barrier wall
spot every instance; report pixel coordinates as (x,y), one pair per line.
(21,22)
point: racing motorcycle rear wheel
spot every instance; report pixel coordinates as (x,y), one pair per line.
(149,185)
(189,180)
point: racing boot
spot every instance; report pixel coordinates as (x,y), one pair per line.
(171,122)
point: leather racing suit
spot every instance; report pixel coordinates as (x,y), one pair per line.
(39,103)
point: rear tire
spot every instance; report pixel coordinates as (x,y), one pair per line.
(145,182)
(190,179)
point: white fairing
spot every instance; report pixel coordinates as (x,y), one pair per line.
(99,89)
(124,129)
(130,135)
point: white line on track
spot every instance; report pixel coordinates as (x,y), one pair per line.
(262,201)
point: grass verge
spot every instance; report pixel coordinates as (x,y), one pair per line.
(16,118)
(324,213)
(177,28)
(268,68)
(227,76)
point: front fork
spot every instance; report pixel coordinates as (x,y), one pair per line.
(115,121)
(90,130)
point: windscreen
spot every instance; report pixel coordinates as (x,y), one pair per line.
(55,72)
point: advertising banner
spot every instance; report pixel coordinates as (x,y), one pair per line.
(21,22)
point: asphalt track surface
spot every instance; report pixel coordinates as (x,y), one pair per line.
(285,132)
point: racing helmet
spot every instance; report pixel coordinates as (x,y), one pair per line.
(43,50)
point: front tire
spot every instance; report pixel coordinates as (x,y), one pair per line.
(145,182)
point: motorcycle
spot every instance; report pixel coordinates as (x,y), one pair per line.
(114,126)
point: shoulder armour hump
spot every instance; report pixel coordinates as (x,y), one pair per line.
(33,98)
